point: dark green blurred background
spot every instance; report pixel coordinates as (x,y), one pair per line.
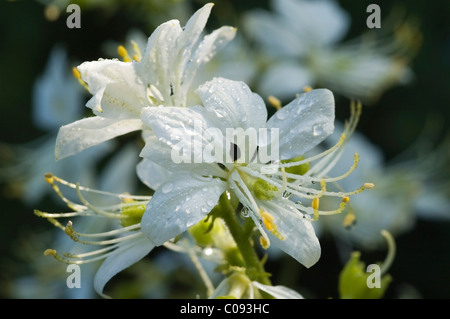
(394,122)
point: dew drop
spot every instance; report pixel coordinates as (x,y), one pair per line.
(282,115)
(244,212)
(220,112)
(318,130)
(205,209)
(210,202)
(166,188)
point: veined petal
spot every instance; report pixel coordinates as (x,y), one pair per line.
(87,132)
(299,238)
(304,122)
(128,253)
(117,93)
(279,292)
(158,60)
(193,29)
(178,204)
(204,52)
(233,104)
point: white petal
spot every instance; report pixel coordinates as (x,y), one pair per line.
(304,123)
(117,91)
(82,134)
(168,158)
(192,31)
(179,204)
(300,240)
(279,292)
(277,37)
(186,131)
(152,174)
(285,80)
(126,255)
(159,58)
(205,51)
(233,104)
(320,21)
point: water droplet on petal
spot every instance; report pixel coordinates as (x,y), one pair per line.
(166,188)
(282,115)
(220,112)
(318,130)
(205,209)
(210,202)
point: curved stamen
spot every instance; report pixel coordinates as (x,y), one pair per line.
(238,183)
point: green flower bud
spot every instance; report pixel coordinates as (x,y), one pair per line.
(358,282)
(132,215)
(264,190)
(299,169)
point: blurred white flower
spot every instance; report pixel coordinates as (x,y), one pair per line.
(57,100)
(57,96)
(302,42)
(406,190)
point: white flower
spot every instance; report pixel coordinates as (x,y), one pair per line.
(302,41)
(263,188)
(407,189)
(161,76)
(57,98)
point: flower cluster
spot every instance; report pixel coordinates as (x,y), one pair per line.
(218,159)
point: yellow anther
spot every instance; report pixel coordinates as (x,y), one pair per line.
(70,231)
(345,199)
(315,207)
(137,56)
(123,53)
(349,219)
(275,102)
(315,203)
(49,178)
(264,243)
(268,221)
(127,200)
(369,185)
(307,89)
(49,252)
(76,73)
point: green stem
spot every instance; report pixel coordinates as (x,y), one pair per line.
(255,269)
